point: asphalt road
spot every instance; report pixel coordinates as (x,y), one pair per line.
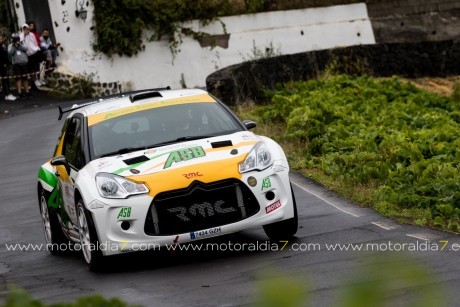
(209,278)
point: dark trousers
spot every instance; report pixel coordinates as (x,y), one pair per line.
(5,80)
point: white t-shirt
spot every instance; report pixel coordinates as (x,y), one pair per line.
(30,42)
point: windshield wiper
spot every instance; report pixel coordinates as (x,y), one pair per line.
(181,139)
(123,151)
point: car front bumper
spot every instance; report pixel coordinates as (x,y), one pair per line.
(272,193)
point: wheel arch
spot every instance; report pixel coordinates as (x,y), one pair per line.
(77,196)
(276,150)
(39,191)
(39,187)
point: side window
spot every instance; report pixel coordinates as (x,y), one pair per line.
(64,128)
(69,137)
(72,144)
(77,147)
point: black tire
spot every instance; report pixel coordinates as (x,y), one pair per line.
(54,235)
(88,238)
(286,229)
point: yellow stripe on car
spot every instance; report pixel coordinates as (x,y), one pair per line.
(100,117)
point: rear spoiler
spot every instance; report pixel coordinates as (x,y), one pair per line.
(133,96)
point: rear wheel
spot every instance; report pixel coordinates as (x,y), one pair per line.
(88,238)
(286,229)
(52,229)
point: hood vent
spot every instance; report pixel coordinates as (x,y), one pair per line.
(221,144)
(136,160)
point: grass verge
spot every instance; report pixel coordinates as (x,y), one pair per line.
(385,144)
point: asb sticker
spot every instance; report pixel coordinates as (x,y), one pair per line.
(266,184)
(184,155)
(272,207)
(205,233)
(124,212)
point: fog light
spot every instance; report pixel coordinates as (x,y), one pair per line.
(252,181)
(125,225)
(270,195)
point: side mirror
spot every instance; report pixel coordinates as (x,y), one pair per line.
(60,160)
(249,124)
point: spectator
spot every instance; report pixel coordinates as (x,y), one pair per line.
(49,49)
(33,30)
(4,63)
(34,53)
(19,58)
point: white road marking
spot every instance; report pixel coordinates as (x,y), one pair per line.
(325,200)
(423,236)
(386,226)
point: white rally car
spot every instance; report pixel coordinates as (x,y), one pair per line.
(160,167)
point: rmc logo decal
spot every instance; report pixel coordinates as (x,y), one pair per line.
(192,175)
(204,210)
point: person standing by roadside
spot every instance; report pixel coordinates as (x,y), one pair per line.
(33,30)
(41,60)
(49,49)
(4,64)
(19,58)
(33,52)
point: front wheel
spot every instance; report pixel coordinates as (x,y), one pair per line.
(88,238)
(55,238)
(286,229)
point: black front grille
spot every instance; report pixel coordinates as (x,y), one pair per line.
(200,206)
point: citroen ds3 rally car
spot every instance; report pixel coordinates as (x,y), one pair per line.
(160,167)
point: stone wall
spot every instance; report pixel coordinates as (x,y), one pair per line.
(415,20)
(248,80)
(81,86)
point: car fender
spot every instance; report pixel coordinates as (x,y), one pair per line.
(47,177)
(85,187)
(276,151)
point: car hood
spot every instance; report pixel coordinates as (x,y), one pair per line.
(175,166)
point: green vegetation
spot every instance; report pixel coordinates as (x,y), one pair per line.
(20,298)
(382,143)
(7,22)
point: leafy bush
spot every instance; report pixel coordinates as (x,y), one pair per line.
(389,135)
(20,298)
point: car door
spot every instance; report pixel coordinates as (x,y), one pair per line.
(72,150)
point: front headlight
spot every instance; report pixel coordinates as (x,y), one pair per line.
(112,186)
(259,158)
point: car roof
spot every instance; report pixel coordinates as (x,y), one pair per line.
(124,101)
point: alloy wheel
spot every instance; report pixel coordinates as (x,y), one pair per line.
(85,239)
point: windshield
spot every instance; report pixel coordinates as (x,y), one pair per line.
(159,126)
